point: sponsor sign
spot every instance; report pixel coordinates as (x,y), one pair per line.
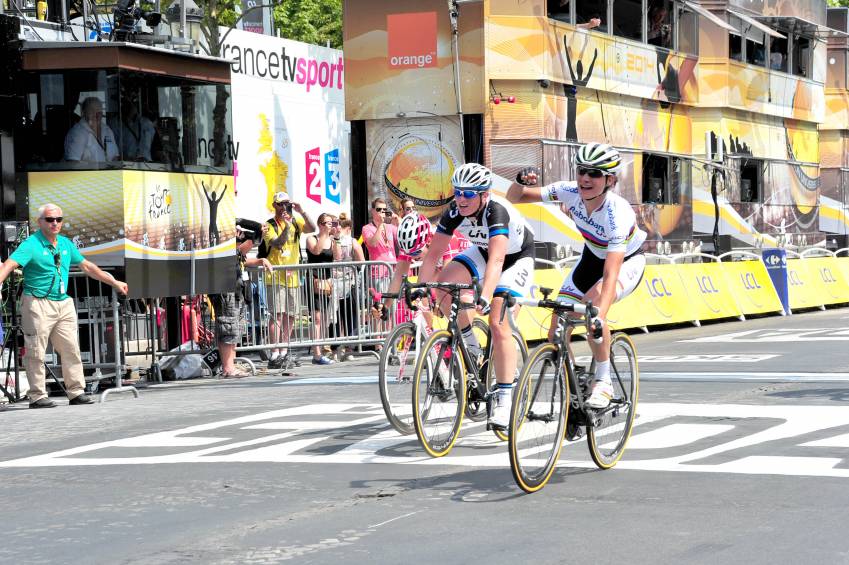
(750,285)
(411,40)
(173,232)
(289,126)
(708,291)
(805,287)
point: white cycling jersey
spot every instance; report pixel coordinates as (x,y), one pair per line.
(499,217)
(612,227)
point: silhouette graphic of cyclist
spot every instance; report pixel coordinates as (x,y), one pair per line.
(571,90)
(213,213)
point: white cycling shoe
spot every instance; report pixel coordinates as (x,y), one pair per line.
(601,395)
(500,417)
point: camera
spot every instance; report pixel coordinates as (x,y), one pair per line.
(126,16)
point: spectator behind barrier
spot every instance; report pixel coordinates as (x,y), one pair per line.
(321,301)
(281,243)
(346,249)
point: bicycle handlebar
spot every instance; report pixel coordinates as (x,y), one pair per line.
(453,288)
(595,326)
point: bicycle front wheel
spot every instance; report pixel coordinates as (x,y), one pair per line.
(439,394)
(395,379)
(537,419)
(610,428)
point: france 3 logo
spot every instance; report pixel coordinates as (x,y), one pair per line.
(332,189)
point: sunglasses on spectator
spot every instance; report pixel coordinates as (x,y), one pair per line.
(408,209)
(592,173)
(467,194)
(334,224)
(381,210)
(51,220)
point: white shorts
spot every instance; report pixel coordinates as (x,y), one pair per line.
(516,278)
(590,270)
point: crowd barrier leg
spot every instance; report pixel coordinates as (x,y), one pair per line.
(119,356)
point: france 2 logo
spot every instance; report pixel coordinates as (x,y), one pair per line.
(332,189)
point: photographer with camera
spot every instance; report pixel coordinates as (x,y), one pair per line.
(47,311)
(660,28)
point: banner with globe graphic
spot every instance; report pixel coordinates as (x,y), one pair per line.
(413,158)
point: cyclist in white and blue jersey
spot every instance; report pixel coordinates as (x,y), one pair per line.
(501,257)
(612,263)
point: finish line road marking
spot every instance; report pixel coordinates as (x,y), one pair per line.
(761,376)
(775,335)
(693,438)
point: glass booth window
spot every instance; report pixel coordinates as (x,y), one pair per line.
(778,54)
(664,178)
(85,120)
(755,47)
(836,75)
(802,56)
(586,10)
(559,10)
(750,180)
(628,19)
(659,24)
(688,31)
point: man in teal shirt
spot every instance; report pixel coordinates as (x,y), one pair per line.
(47,311)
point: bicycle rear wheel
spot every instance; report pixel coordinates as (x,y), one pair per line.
(395,379)
(610,428)
(439,394)
(476,407)
(521,359)
(537,419)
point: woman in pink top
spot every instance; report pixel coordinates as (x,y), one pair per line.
(380,235)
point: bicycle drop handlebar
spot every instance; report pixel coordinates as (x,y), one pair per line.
(594,325)
(453,288)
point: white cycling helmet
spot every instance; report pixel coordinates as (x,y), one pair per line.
(413,233)
(472,176)
(599,156)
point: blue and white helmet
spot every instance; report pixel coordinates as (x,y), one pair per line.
(472,176)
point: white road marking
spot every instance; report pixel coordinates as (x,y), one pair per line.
(675,435)
(696,358)
(730,438)
(776,335)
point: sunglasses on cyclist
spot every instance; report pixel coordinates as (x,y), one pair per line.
(467,194)
(592,173)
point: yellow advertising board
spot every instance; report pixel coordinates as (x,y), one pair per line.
(842,265)
(659,299)
(832,281)
(751,286)
(710,295)
(802,288)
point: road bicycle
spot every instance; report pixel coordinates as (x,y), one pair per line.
(398,359)
(449,381)
(549,400)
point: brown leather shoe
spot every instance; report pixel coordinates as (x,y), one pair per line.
(81,399)
(42,403)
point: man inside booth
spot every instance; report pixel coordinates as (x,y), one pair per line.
(90,139)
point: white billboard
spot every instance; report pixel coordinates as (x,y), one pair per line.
(289,128)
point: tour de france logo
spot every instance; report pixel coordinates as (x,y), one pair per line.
(158,203)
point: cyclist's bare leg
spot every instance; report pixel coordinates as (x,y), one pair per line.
(503,352)
(455,273)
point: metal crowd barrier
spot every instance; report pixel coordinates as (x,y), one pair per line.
(100,334)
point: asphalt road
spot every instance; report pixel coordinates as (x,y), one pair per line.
(741,455)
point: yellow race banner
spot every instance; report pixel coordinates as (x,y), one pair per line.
(826,273)
(710,295)
(802,287)
(751,286)
(659,299)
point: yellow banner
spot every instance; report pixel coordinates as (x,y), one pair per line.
(710,295)
(832,281)
(660,299)
(751,286)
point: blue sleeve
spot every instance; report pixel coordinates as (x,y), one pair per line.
(497,219)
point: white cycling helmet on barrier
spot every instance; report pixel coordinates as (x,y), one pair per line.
(472,176)
(414,233)
(599,156)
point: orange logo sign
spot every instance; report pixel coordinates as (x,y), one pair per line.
(412,40)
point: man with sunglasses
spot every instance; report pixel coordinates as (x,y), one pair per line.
(47,311)
(612,262)
(282,242)
(501,257)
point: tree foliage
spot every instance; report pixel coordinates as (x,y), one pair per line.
(838,3)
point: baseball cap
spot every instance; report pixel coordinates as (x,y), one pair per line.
(281,197)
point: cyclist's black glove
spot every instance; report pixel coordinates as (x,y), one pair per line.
(598,330)
(484,305)
(524,174)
